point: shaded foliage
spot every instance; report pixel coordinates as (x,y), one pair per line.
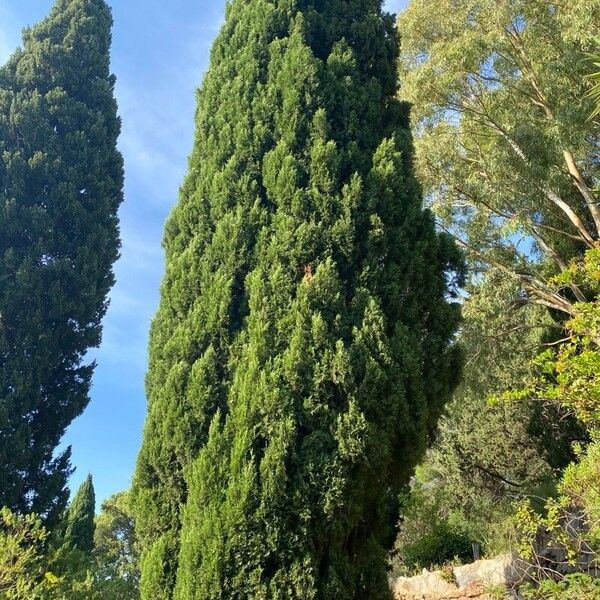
(117,550)
(485,456)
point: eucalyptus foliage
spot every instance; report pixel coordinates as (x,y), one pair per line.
(505,147)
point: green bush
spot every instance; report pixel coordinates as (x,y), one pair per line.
(443,543)
(573,587)
(22,562)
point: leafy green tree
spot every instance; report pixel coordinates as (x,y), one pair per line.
(116,550)
(61,180)
(29,564)
(70,552)
(505,148)
(569,375)
(304,345)
(22,556)
(594,93)
(485,455)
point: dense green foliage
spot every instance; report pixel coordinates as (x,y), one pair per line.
(29,561)
(303,349)
(573,587)
(594,93)
(116,550)
(485,455)
(305,346)
(431,533)
(508,157)
(37,565)
(60,187)
(22,543)
(569,375)
(506,149)
(79,521)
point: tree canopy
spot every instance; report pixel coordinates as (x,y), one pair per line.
(304,345)
(61,179)
(506,150)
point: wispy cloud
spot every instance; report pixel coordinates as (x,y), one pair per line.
(141,249)
(153,164)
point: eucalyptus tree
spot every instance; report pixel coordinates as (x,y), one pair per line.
(505,148)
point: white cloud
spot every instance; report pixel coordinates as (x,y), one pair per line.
(141,247)
(119,349)
(148,142)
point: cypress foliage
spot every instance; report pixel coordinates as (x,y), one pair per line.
(303,348)
(61,180)
(79,521)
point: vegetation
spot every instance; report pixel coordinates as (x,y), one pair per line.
(38,565)
(572,587)
(303,349)
(594,93)
(22,541)
(485,456)
(60,187)
(79,522)
(508,156)
(506,149)
(338,378)
(117,550)
(570,375)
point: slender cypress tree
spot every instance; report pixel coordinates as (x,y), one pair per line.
(302,351)
(79,520)
(61,180)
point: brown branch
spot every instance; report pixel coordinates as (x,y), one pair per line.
(541,293)
(584,189)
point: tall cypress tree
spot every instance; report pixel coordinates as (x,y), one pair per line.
(61,180)
(79,521)
(302,351)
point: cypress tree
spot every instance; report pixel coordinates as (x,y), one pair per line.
(303,348)
(61,180)
(79,520)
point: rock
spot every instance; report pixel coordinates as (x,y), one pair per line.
(462,583)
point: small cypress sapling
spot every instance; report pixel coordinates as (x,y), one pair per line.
(71,550)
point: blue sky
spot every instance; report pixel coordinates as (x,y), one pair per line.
(160,52)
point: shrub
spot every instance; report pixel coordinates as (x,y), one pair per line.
(445,542)
(573,587)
